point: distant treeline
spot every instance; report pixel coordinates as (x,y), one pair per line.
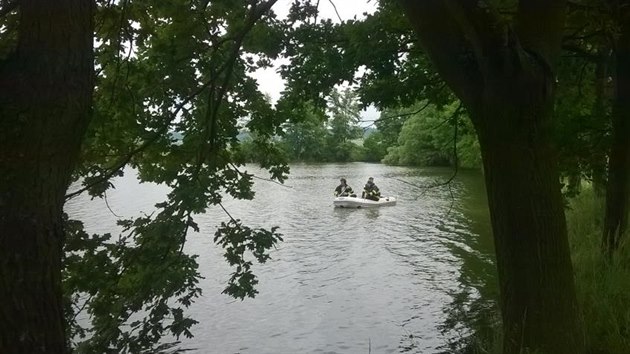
(429,136)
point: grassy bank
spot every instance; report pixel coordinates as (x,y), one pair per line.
(603,287)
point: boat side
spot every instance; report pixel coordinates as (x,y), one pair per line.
(353,202)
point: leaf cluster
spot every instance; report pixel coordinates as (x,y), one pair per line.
(134,288)
(173,91)
(238,239)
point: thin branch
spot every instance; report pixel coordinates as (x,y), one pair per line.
(453,117)
(316,12)
(214,102)
(335,8)
(450,208)
(583,53)
(581,79)
(260,178)
(256,14)
(272,181)
(108,207)
(584,36)
(125,160)
(456,162)
(405,114)
(76,314)
(185,234)
(119,41)
(381,119)
(228,214)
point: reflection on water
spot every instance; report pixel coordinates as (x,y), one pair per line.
(474,304)
(387,280)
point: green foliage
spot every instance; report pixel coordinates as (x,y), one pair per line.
(426,139)
(236,239)
(172,94)
(374,147)
(583,96)
(316,135)
(390,124)
(380,51)
(115,279)
(344,112)
(582,120)
(305,140)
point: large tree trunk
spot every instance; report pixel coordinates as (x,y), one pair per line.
(618,188)
(504,76)
(46,90)
(538,303)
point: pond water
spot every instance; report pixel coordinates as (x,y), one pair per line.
(397,279)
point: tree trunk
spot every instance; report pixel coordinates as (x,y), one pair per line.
(618,188)
(504,76)
(538,303)
(46,88)
(598,162)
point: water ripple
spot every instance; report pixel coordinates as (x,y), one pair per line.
(343,280)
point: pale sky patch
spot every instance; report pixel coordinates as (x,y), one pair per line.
(270,81)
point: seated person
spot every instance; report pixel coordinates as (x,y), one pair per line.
(370,191)
(343,190)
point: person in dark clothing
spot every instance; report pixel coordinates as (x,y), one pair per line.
(343,189)
(370,191)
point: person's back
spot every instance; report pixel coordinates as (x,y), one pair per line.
(343,189)
(371,191)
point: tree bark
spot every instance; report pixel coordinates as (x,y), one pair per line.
(618,187)
(504,76)
(538,303)
(598,163)
(46,88)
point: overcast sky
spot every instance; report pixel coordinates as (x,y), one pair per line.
(270,81)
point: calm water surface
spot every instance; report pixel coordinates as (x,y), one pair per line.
(395,279)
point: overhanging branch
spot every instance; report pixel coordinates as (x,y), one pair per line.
(127,158)
(255,15)
(214,101)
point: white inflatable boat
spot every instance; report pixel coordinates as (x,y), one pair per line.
(354,202)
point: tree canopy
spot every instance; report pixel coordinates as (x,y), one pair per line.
(532,90)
